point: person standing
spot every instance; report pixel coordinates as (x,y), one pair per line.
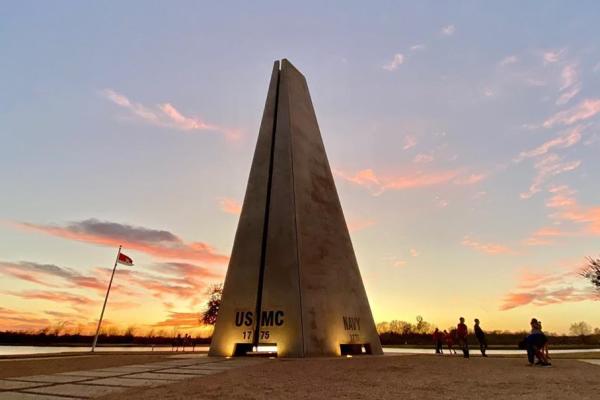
(437,339)
(461,333)
(480,338)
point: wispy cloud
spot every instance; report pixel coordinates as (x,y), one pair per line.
(469,179)
(563,141)
(553,56)
(358,224)
(422,158)
(75,300)
(489,248)
(448,30)
(16,320)
(418,47)
(230,206)
(570,86)
(182,320)
(396,61)
(543,297)
(409,142)
(165,115)
(158,243)
(586,109)
(512,59)
(544,236)
(547,167)
(542,289)
(569,210)
(379,184)
(574,219)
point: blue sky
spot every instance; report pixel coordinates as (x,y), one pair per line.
(463,137)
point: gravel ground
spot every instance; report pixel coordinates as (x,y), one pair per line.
(388,377)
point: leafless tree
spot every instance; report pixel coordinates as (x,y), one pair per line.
(591,271)
(580,329)
(209,315)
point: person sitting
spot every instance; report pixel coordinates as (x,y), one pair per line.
(536,343)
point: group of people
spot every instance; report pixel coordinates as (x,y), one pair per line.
(536,343)
(459,336)
(183,341)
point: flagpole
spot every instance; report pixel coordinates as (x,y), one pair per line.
(105,299)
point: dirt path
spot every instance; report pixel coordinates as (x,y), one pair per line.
(390,377)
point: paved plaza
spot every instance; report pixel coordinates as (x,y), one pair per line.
(98,382)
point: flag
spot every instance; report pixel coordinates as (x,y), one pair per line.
(125,260)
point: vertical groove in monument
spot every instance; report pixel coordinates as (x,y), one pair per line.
(261,273)
(281,284)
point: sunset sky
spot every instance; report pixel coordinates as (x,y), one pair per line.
(464,138)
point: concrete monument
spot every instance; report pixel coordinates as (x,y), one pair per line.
(293,281)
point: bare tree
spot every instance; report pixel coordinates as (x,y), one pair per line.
(422,325)
(580,329)
(209,315)
(591,271)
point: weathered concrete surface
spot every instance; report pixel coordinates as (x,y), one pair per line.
(241,282)
(330,281)
(28,396)
(93,383)
(6,384)
(313,298)
(56,378)
(76,390)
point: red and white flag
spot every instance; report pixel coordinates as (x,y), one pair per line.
(125,260)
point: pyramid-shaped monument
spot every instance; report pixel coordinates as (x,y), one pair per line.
(293,281)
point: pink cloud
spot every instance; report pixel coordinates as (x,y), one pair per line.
(355,225)
(75,300)
(568,210)
(158,243)
(553,56)
(166,115)
(396,61)
(508,60)
(570,84)
(547,167)
(544,297)
(410,141)
(183,122)
(378,184)
(586,109)
(542,289)
(544,236)
(15,320)
(470,180)
(230,206)
(182,320)
(567,139)
(423,159)
(489,248)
